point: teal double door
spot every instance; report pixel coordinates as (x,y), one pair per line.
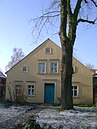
(49,92)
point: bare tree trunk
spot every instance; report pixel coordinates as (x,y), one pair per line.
(66,65)
(66,78)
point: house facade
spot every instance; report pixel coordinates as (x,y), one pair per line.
(2,86)
(37,77)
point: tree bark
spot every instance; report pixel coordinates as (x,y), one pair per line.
(66,78)
(66,65)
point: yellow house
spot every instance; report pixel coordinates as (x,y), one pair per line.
(37,77)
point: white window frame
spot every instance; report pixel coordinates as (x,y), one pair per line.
(32,87)
(52,68)
(41,70)
(75,69)
(25,69)
(48,50)
(75,90)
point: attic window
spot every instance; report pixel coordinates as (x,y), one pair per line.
(25,69)
(48,50)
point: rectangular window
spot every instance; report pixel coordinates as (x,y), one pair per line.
(75,69)
(31,90)
(18,90)
(75,91)
(25,69)
(48,50)
(54,68)
(41,68)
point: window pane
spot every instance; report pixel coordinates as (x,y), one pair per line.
(31,90)
(28,91)
(48,51)
(29,86)
(54,68)
(25,69)
(41,67)
(75,87)
(74,91)
(32,86)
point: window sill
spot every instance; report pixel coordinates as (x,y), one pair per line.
(54,73)
(76,97)
(42,73)
(48,74)
(31,95)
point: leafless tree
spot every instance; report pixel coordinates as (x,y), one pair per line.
(71,13)
(15,58)
(90,66)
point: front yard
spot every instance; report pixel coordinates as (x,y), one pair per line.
(12,115)
(48,117)
(7,113)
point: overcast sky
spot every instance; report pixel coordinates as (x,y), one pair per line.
(16,28)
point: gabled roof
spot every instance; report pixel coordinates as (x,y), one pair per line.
(2,75)
(33,51)
(37,48)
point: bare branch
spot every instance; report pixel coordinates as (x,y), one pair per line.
(94,3)
(41,22)
(69,9)
(53,4)
(87,21)
(47,14)
(77,8)
(86,1)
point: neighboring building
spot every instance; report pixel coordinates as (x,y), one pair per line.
(94,85)
(2,86)
(38,77)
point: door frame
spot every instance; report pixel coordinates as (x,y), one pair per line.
(54,90)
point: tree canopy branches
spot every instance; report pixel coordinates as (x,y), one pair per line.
(50,16)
